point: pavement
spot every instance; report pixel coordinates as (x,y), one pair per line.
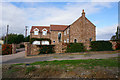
(20,57)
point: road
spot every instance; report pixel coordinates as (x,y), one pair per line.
(20,58)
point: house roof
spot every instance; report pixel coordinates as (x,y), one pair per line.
(58,27)
(40,28)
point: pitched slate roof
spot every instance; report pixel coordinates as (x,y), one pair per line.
(58,27)
(40,28)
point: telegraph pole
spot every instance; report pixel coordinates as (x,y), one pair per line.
(26,31)
(7,34)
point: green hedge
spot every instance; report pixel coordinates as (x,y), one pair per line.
(39,39)
(46,49)
(75,47)
(101,46)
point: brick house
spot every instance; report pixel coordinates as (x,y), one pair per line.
(80,31)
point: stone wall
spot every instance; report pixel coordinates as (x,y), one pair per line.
(40,35)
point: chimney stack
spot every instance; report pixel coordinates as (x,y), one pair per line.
(83,13)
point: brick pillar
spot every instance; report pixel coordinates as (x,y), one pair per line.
(13,48)
(113,44)
(27,48)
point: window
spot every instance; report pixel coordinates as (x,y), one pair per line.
(67,40)
(59,37)
(90,39)
(36,43)
(44,32)
(64,41)
(64,32)
(68,31)
(45,42)
(75,40)
(53,41)
(35,32)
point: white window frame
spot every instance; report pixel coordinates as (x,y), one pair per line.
(44,31)
(45,42)
(64,41)
(67,40)
(36,43)
(68,31)
(36,31)
(64,32)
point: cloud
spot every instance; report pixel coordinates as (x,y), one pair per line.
(18,17)
(106,33)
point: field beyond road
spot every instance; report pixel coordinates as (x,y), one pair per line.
(88,68)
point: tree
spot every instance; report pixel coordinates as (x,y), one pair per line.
(14,38)
(27,39)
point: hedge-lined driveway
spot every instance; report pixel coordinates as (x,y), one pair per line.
(70,56)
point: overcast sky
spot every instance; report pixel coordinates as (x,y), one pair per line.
(20,14)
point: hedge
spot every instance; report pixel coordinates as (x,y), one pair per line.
(101,46)
(39,39)
(46,49)
(6,49)
(75,47)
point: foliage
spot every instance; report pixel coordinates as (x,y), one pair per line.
(39,39)
(22,46)
(30,69)
(117,46)
(27,39)
(6,49)
(88,63)
(14,38)
(75,47)
(101,46)
(45,49)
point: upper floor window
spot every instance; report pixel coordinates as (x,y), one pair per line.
(68,31)
(36,31)
(44,31)
(64,32)
(59,36)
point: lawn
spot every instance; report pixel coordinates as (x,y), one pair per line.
(65,68)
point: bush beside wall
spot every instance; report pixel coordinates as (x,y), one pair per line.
(101,46)
(46,49)
(75,47)
(6,49)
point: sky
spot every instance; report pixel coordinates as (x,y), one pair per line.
(18,14)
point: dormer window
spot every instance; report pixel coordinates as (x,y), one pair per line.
(44,31)
(36,31)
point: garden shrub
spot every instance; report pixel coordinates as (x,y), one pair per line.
(22,46)
(6,49)
(75,47)
(46,49)
(101,46)
(117,46)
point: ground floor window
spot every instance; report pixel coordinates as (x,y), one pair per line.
(67,40)
(64,41)
(75,40)
(45,42)
(36,43)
